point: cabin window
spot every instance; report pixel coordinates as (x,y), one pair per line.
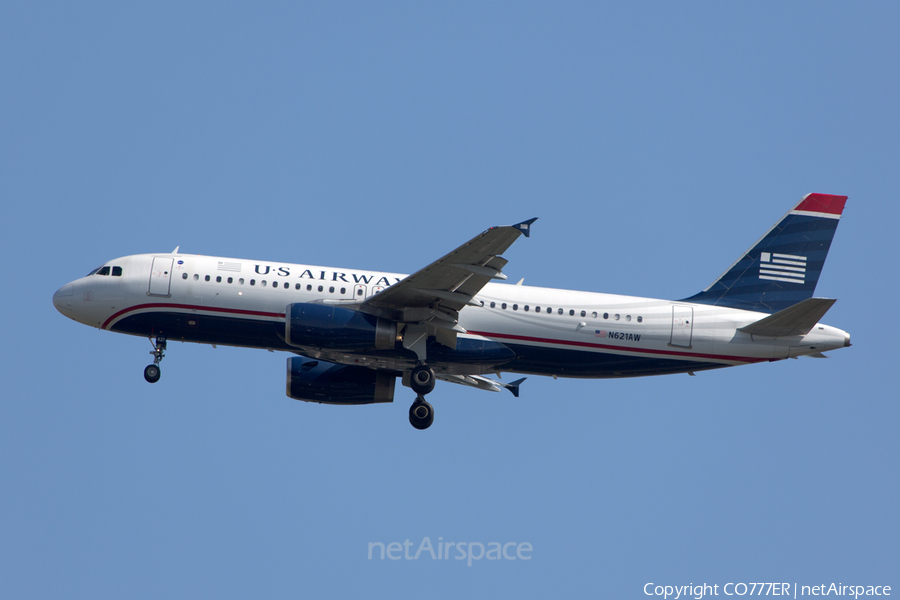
(605,315)
(263,283)
(343,291)
(297,286)
(275,284)
(560,311)
(287,285)
(184,275)
(241,281)
(331,290)
(594,314)
(550,310)
(571,312)
(503,306)
(617,317)
(309,288)
(359,292)
(196,277)
(515,307)
(537,309)
(117,271)
(206,278)
(526,308)
(640,319)
(627,317)
(231,280)
(219,279)
(493,305)
(583,313)
(321,288)
(252,282)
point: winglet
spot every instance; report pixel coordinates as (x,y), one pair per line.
(514,386)
(525,226)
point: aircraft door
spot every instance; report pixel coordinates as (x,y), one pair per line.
(359,292)
(682,326)
(160,276)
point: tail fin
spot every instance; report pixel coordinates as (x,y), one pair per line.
(783,267)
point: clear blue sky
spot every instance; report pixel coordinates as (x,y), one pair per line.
(656,142)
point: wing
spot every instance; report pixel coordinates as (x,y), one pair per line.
(433,296)
(483,383)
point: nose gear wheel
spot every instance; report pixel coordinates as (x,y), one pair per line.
(152,372)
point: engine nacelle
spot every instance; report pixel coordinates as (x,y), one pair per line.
(336,328)
(320,381)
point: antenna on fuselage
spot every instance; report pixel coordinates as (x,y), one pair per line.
(175,251)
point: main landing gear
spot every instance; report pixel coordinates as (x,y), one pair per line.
(151,372)
(421,413)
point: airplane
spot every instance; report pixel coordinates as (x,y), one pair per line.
(353,332)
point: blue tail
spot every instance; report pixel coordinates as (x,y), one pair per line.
(783,267)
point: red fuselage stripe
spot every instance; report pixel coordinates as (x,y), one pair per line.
(231,311)
(618,348)
(505,336)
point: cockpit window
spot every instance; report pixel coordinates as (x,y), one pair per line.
(117,271)
(103,271)
(94,272)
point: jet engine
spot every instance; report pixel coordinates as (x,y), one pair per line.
(336,328)
(320,381)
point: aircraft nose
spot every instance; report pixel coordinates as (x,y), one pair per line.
(847,343)
(62,299)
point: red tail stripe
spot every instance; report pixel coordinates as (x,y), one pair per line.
(823,203)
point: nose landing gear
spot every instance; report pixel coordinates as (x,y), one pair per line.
(421,380)
(151,372)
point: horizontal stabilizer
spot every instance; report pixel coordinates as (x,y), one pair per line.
(798,319)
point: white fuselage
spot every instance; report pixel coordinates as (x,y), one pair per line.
(556,332)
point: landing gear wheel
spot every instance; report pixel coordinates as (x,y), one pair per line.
(151,373)
(421,380)
(421,414)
